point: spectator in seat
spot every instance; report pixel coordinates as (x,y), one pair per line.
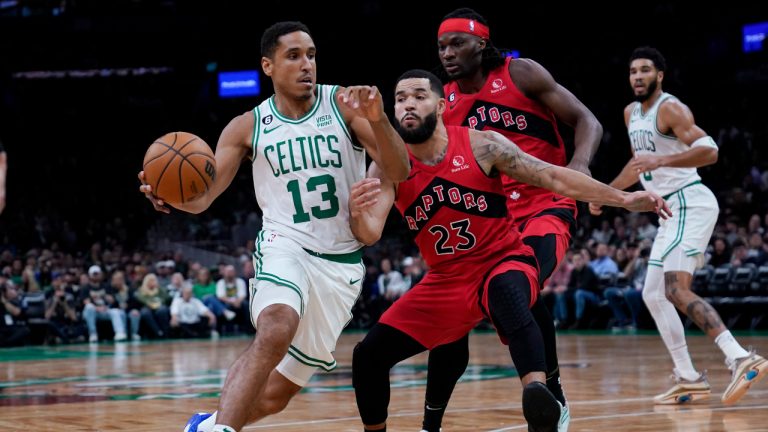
(190,317)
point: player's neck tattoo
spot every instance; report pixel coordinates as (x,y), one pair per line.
(437,159)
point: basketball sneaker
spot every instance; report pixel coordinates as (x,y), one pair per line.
(745,371)
(684,391)
(541,409)
(565,417)
(195,421)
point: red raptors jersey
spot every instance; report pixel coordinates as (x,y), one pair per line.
(502,107)
(456,212)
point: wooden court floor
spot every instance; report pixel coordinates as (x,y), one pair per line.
(609,380)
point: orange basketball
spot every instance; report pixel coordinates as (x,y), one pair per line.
(180,167)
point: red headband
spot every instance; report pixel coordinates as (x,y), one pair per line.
(464,25)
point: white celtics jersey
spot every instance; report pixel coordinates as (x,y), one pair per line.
(303,171)
(646,139)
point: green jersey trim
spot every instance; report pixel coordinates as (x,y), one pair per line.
(345,258)
(666,197)
(256,131)
(337,113)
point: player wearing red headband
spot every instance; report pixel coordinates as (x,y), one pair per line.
(519,99)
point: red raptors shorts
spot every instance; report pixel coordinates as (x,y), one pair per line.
(444,307)
(550,236)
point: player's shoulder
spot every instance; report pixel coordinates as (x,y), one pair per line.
(521,68)
(240,128)
(672,105)
(673,112)
(244,121)
(629,108)
(530,76)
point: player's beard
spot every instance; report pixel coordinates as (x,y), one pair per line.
(421,133)
(651,88)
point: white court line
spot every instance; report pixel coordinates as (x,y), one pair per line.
(509,406)
(636,414)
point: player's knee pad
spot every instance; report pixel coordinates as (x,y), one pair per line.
(509,296)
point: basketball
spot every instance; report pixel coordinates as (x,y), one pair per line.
(180,167)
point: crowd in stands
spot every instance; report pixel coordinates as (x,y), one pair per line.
(47,296)
(52,296)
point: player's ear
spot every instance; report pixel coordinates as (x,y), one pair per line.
(661,76)
(440,106)
(266,66)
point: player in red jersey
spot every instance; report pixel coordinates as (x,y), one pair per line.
(519,99)
(453,202)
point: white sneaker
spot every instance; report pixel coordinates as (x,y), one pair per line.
(684,391)
(229,315)
(214,335)
(565,417)
(119,337)
(135,337)
(745,371)
(94,338)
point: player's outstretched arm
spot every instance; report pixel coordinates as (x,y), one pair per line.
(492,150)
(233,145)
(363,110)
(626,178)
(369,203)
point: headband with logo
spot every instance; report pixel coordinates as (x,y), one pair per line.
(464,25)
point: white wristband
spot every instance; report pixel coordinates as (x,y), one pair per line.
(705,141)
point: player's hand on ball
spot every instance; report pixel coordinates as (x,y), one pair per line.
(146,189)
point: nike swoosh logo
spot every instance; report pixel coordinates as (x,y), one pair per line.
(352,282)
(266,131)
(411,176)
(556,199)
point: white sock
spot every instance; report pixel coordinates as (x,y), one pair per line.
(683,363)
(730,347)
(207,424)
(223,428)
(668,322)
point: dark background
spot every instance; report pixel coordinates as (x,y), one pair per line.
(75,145)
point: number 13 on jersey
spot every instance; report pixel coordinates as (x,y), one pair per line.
(327,195)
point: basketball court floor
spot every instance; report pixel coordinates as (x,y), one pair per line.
(155,386)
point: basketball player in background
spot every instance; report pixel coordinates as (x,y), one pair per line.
(307,144)
(454,204)
(3,173)
(668,146)
(519,99)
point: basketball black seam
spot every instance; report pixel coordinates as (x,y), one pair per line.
(160,177)
(178,153)
(181,182)
(198,173)
(158,156)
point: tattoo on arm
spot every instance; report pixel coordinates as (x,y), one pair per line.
(509,159)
